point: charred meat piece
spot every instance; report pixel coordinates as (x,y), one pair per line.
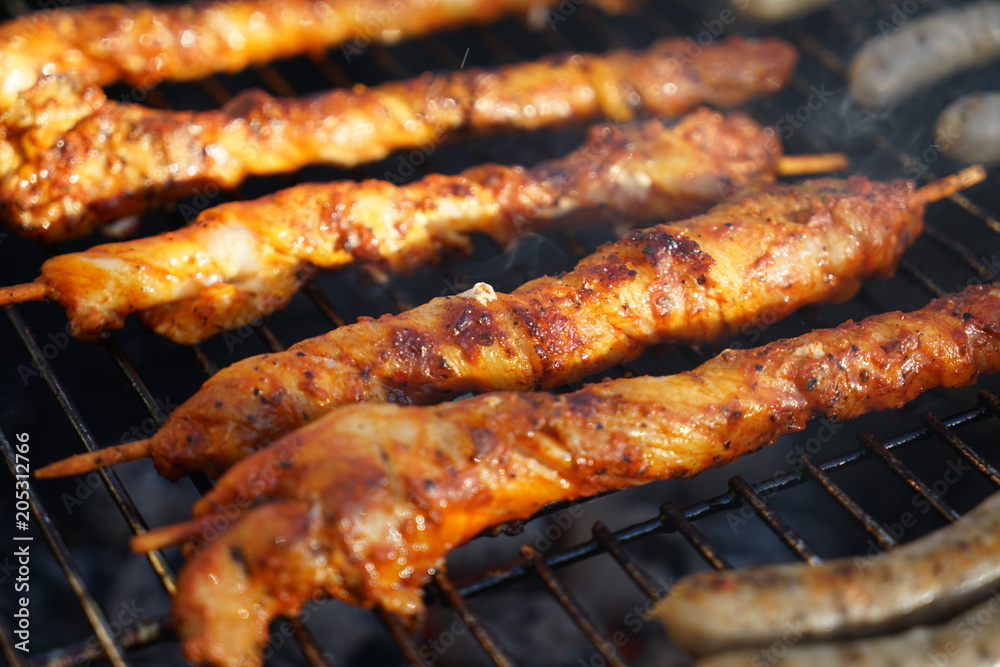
(243,259)
(364,504)
(95,161)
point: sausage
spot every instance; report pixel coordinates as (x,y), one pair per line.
(924,51)
(971,639)
(968,130)
(927,580)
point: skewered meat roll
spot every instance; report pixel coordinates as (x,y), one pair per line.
(143,44)
(94,161)
(765,252)
(243,259)
(364,504)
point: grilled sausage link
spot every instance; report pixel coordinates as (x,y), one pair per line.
(366,502)
(762,254)
(119,160)
(924,51)
(925,581)
(971,639)
(143,44)
(968,130)
(242,259)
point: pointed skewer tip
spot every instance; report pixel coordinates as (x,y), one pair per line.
(949,185)
(799,165)
(101,458)
(22,293)
(167,536)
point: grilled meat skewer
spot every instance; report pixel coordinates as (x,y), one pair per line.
(764,253)
(95,161)
(364,504)
(925,581)
(143,44)
(242,259)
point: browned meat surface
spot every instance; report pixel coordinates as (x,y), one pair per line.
(94,160)
(143,44)
(243,259)
(924,581)
(365,503)
(763,253)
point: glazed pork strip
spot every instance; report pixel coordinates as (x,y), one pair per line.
(243,259)
(925,581)
(971,639)
(142,44)
(94,161)
(763,253)
(364,504)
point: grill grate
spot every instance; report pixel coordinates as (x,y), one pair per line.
(642,550)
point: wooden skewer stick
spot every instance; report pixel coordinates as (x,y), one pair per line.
(175,533)
(101,458)
(949,185)
(22,293)
(797,165)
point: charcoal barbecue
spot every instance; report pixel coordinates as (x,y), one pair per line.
(572,586)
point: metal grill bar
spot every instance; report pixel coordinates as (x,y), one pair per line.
(871,526)
(625,560)
(572,607)
(898,468)
(789,537)
(922,278)
(402,638)
(959,250)
(977,461)
(670,513)
(144,632)
(68,565)
(109,478)
(132,377)
(482,635)
(206,363)
(992,403)
(307,642)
